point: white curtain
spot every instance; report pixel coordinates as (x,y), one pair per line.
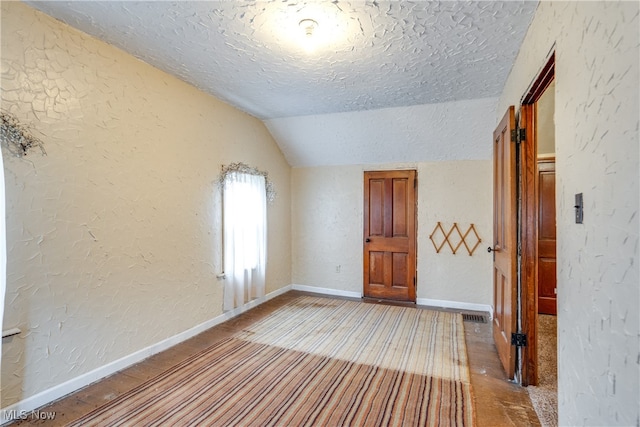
(245,237)
(3,251)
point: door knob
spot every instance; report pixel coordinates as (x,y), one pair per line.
(490,249)
(367,240)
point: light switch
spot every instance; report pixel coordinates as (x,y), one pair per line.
(579,208)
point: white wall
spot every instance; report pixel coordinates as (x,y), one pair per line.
(112,236)
(597,120)
(434,132)
(327,224)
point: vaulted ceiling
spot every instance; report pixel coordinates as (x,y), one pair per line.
(362,56)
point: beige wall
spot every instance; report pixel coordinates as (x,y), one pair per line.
(596,132)
(545,125)
(327,224)
(461,192)
(113,236)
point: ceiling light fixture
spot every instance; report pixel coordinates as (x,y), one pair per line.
(308,26)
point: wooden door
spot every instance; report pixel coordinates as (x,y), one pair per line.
(547,236)
(504,240)
(390,235)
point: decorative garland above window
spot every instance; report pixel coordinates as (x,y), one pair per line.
(244,168)
(16,136)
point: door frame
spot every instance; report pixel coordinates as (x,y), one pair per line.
(529,221)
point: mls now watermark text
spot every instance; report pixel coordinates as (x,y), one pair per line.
(8,415)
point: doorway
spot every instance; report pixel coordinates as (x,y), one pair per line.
(517,301)
(544,390)
(546,183)
(389,247)
(538,233)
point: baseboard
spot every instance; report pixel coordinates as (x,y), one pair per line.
(38,400)
(420,301)
(456,304)
(327,291)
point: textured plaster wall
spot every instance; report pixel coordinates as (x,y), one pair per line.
(461,192)
(327,224)
(113,240)
(597,120)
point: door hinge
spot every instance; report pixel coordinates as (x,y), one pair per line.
(519,340)
(518,135)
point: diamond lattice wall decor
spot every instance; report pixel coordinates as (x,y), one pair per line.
(455,238)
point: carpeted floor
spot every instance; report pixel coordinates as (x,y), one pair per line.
(544,397)
(315,361)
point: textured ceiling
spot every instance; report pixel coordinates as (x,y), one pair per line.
(370,55)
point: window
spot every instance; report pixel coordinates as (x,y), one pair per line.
(245,237)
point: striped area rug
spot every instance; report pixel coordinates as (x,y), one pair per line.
(315,361)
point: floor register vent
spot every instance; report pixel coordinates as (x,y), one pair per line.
(475,318)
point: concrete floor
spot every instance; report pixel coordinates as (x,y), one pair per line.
(498,402)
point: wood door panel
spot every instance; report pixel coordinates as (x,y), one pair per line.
(547,275)
(546,201)
(399,208)
(499,207)
(497,295)
(376,207)
(399,269)
(376,267)
(546,288)
(503,303)
(504,240)
(390,233)
(547,280)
